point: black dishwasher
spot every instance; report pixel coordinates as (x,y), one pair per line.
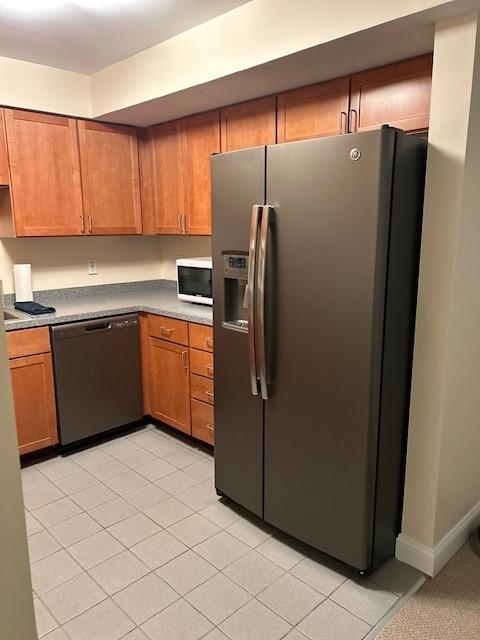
(97,376)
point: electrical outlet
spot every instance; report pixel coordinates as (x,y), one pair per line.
(92,267)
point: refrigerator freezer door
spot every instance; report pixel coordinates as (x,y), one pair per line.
(331,198)
(238,183)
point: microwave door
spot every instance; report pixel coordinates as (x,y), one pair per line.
(195,284)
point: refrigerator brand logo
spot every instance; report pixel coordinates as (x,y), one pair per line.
(355,154)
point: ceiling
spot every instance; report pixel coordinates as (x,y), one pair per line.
(88,35)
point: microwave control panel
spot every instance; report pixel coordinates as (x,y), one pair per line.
(235,266)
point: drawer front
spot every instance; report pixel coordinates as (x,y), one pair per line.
(201,388)
(202,421)
(201,337)
(28,342)
(201,363)
(168,329)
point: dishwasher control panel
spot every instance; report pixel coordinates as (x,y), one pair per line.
(120,324)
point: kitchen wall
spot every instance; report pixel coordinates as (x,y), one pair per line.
(239,40)
(16,604)
(35,86)
(62,262)
(442,490)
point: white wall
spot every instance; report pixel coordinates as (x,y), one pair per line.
(62,262)
(35,86)
(443,472)
(16,605)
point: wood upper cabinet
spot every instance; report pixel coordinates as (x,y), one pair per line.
(315,111)
(396,94)
(250,124)
(31,372)
(162,179)
(110,178)
(44,173)
(169,383)
(4,172)
(200,138)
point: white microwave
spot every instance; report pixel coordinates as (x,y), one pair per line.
(194,280)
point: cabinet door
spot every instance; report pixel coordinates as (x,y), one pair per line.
(162,179)
(397,94)
(201,138)
(44,173)
(4,174)
(110,178)
(250,124)
(34,400)
(313,112)
(169,384)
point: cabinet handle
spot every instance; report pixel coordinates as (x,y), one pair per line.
(184,218)
(209,369)
(210,427)
(209,342)
(166,331)
(89,223)
(184,360)
(210,394)
(82,223)
(180,222)
(343,122)
(353,127)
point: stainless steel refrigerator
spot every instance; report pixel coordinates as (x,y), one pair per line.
(315,262)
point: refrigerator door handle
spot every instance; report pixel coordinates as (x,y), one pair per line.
(252,268)
(260,301)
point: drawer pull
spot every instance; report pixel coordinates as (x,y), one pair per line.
(209,369)
(166,331)
(210,394)
(209,342)
(184,360)
(210,427)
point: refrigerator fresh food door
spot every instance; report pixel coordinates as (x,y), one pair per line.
(238,184)
(327,266)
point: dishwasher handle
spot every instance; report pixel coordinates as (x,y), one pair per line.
(99,326)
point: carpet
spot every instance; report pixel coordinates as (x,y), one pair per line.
(445,608)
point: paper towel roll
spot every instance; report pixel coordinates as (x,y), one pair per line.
(22,278)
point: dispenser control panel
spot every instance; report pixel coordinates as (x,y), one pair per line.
(235,266)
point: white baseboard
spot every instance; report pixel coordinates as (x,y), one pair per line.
(431,560)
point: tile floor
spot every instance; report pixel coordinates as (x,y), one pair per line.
(129,540)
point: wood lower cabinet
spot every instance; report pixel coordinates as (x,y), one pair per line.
(201,382)
(313,112)
(249,124)
(200,337)
(202,421)
(396,94)
(201,363)
(178,380)
(110,178)
(31,372)
(45,185)
(200,138)
(169,383)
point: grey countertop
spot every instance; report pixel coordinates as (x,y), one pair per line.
(85,303)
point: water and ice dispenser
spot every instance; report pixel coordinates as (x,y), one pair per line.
(235,274)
